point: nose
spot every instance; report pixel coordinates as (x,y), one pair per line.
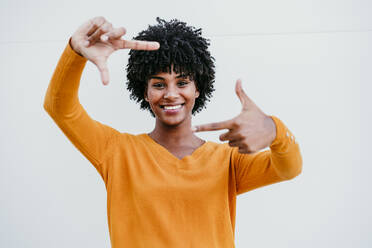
(171,93)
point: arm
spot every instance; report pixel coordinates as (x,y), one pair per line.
(61,102)
(282,162)
(251,131)
(95,41)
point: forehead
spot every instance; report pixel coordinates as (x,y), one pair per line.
(165,75)
(173,71)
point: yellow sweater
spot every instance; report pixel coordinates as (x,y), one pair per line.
(155,199)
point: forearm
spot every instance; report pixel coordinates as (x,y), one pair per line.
(62,94)
(285,152)
(91,137)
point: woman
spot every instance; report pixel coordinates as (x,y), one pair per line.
(168,188)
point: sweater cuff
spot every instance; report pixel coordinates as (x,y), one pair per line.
(71,53)
(284,138)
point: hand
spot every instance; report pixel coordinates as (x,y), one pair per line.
(251,130)
(96,40)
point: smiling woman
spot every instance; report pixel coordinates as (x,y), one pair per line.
(171,98)
(183,51)
(168,188)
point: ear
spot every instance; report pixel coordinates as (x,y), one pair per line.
(145,94)
(197,94)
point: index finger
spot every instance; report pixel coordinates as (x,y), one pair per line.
(140,45)
(213,126)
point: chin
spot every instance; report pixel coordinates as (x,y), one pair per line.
(171,122)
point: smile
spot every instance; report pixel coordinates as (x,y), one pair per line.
(171,107)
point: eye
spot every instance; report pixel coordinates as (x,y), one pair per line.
(158,85)
(182,83)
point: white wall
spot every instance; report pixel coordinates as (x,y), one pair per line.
(307,62)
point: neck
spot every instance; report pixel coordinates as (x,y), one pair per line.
(175,135)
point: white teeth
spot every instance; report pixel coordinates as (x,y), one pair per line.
(172,107)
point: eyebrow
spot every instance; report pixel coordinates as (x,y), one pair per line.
(161,78)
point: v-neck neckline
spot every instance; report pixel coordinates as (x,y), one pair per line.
(167,154)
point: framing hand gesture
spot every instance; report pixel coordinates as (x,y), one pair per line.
(96,40)
(251,130)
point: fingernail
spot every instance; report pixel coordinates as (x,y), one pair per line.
(86,43)
(156,45)
(104,38)
(193,129)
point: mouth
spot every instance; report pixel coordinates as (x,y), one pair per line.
(172,107)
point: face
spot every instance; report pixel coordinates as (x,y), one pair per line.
(171,97)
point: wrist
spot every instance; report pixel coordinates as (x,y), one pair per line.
(271,127)
(74,46)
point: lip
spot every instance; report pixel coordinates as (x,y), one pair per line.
(171,104)
(172,111)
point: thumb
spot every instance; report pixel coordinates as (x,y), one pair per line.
(103,69)
(244,99)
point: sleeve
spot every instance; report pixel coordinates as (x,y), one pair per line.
(282,162)
(93,139)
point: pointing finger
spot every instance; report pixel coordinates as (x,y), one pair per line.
(213,126)
(140,45)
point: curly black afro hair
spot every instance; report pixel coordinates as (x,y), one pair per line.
(181,46)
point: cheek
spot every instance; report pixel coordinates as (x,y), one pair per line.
(153,97)
(191,94)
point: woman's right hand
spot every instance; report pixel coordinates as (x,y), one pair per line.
(97,39)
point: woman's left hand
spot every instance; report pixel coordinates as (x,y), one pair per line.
(251,131)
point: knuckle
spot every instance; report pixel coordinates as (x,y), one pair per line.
(214,125)
(112,32)
(236,123)
(122,30)
(105,27)
(100,19)
(95,25)
(91,22)
(232,144)
(204,128)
